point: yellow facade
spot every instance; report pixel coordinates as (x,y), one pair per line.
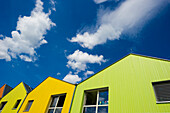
(43,93)
(19,92)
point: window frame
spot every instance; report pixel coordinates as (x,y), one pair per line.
(97,104)
(26,110)
(156,97)
(55,107)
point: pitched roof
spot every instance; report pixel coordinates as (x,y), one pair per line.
(28,88)
(4,90)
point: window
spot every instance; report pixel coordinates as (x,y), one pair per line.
(96,101)
(56,104)
(17,103)
(162,91)
(2,105)
(29,105)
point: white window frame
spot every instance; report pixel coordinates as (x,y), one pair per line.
(55,107)
(97,105)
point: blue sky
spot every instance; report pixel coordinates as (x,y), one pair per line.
(73,39)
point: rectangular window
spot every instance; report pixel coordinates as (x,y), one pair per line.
(17,103)
(29,105)
(96,101)
(57,103)
(2,105)
(162,91)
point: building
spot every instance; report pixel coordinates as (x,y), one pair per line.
(4,90)
(12,101)
(51,96)
(134,84)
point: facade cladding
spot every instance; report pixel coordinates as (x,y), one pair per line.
(134,84)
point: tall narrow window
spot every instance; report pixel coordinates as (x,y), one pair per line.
(162,91)
(17,103)
(29,105)
(2,105)
(57,103)
(96,101)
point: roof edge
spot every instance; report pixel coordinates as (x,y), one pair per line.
(152,57)
(61,80)
(140,55)
(52,78)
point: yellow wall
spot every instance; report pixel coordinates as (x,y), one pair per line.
(19,92)
(42,95)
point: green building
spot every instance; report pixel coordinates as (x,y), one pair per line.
(134,84)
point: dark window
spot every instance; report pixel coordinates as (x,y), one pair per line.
(29,105)
(91,98)
(162,91)
(61,101)
(56,104)
(16,104)
(2,105)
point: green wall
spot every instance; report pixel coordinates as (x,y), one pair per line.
(130,85)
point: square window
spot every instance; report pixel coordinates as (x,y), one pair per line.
(29,105)
(2,105)
(96,101)
(56,103)
(162,91)
(17,103)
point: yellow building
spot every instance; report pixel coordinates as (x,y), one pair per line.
(11,102)
(51,96)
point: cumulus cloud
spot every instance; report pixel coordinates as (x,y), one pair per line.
(79,60)
(130,14)
(53,3)
(72,78)
(28,36)
(58,73)
(88,73)
(99,1)
(1,35)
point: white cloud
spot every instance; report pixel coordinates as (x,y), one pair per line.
(72,78)
(53,3)
(58,73)
(99,1)
(129,15)
(87,73)
(29,35)
(1,35)
(78,60)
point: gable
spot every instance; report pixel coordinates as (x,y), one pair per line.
(18,93)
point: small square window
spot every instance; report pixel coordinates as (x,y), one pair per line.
(2,105)
(17,103)
(162,91)
(56,104)
(96,101)
(29,105)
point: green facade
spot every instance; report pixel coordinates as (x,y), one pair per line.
(130,85)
